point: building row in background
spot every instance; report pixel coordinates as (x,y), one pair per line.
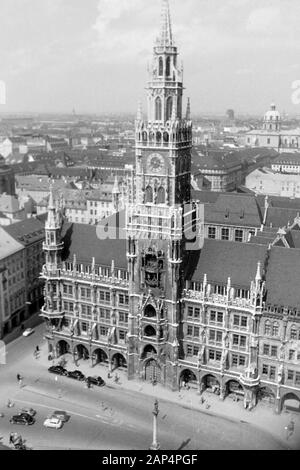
(21,261)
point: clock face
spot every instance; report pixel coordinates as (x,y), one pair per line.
(155,162)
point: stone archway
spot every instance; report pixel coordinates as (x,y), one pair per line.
(62,347)
(210,383)
(290,402)
(234,387)
(189,378)
(152,371)
(81,352)
(118,361)
(100,357)
(266,395)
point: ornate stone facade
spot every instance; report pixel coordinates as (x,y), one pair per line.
(154,309)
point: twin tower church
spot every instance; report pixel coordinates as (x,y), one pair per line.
(158,304)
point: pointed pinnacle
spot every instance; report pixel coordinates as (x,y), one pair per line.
(188,110)
(51,199)
(173,117)
(116,188)
(166,37)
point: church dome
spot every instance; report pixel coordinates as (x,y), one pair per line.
(273,114)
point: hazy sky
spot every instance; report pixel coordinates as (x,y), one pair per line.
(91,55)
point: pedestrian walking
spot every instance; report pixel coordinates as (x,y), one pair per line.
(18,377)
(290,429)
(11,438)
(37,349)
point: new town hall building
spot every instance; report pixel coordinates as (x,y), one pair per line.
(223,315)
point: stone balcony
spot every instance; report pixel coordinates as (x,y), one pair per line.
(217,299)
(61,273)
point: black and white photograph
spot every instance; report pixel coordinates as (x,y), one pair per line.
(149,228)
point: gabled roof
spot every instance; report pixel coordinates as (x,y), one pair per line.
(233,209)
(280,216)
(8,245)
(82,240)
(26,231)
(220,260)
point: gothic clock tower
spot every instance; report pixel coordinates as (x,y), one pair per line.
(155,219)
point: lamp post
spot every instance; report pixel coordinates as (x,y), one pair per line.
(155,445)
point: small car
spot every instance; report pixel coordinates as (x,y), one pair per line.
(28,411)
(76,374)
(28,332)
(61,415)
(22,418)
(96,381)
(58,370)
(53,423)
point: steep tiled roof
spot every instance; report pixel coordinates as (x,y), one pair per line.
(220,260)
(214,160)
(26,231)
(82,240)
(280,216)
(232,209)
(8,245)
(282,277)
(290,158)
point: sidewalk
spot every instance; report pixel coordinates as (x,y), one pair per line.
(31,322)
(262,416)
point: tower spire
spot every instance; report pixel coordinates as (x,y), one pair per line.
(188,110)
(166,37)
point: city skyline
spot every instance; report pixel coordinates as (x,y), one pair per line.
(66,56)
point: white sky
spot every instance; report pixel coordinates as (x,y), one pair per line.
(91,55)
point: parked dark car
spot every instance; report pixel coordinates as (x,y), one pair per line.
(22,418)
(96,381)
(58,370)
(28,411)
(62,415)
(76,374)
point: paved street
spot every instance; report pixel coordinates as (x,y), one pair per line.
(107,417)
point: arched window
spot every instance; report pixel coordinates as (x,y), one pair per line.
(161,196)
(267,328)
(158,137)
(149,331)
(151,136)
(166,137)
(158,109)
(145,136)
(160,66)
(150,311)
(169,108)
(168,67)
(148,194)
(293,332)
(275,329)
